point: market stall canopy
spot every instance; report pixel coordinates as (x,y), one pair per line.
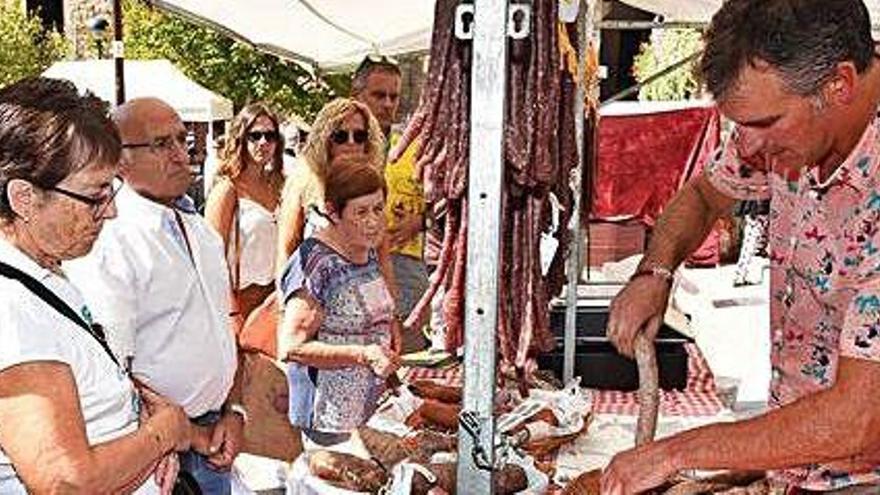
(325,34)
(158,78)
(702,10)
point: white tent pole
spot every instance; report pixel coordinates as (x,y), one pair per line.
(485,173)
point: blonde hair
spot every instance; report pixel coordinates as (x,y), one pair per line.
(317,150)
(235,154)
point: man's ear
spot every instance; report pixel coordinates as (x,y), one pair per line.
(124,166)
(840,88)
(20,194)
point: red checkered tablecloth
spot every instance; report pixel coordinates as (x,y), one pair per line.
(450,375)
(697,399)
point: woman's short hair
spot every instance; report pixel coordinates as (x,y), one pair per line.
(317,149)
(235,152)
(350,181)
(49,131)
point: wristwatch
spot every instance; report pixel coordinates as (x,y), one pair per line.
(237,409)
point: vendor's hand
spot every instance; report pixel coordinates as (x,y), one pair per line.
(637,470)
(406,228)
(639,307)
(226,441)
(167,418)
(380,360)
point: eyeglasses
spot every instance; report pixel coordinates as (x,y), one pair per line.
(256,136)
(341,136)
(162,144)
(98,204)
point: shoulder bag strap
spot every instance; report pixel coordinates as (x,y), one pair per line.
(60,306)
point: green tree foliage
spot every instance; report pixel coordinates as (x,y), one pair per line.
(221,64)
(666,47)
(26,49)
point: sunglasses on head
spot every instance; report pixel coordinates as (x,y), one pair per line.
(269,136)
(341,136)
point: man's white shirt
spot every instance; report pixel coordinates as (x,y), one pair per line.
(167,311)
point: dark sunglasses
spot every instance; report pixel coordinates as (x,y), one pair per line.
(256,136)
(358,136)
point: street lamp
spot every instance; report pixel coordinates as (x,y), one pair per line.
(98,26)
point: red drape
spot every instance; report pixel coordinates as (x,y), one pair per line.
(644,159)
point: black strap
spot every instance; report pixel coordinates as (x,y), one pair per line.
(53,300)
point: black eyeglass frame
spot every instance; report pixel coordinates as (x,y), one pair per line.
(98,205)
(162,143)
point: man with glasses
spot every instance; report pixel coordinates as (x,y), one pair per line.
(157,279)
(376,83)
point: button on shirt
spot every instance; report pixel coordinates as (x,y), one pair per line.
(31,330)
(824,245)
(165,308)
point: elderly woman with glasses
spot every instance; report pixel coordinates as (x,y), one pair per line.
(243,203)
(337,331)
(69,414)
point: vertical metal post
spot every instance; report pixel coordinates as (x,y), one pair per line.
(118,52)
(485,173)
(573,266)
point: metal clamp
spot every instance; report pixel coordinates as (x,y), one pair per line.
(519,21)
(470,421)
(464,21)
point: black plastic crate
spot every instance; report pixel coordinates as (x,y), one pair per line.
(597,361)
(601,367)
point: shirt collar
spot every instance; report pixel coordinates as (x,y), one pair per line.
(858,171)
(128,199)
(16,258)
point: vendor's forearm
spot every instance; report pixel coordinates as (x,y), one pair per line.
(322,355)
(838,423)
(685,223)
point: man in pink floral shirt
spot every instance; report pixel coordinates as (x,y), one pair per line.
(801,81)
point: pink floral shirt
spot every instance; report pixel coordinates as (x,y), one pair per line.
(824,277)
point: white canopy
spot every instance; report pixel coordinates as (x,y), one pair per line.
(702,10)
(158,78)
(325,34)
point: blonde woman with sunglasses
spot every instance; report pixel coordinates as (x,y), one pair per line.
(344,132)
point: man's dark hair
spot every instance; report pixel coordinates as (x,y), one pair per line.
(48,131)
(802,39)
(370,64)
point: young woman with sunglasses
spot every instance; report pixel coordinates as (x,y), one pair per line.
(243,202)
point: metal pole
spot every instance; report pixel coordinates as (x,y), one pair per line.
(485,173)
(118,52)
(573,265)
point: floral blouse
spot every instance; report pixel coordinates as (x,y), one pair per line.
(357,310)
(824,245)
